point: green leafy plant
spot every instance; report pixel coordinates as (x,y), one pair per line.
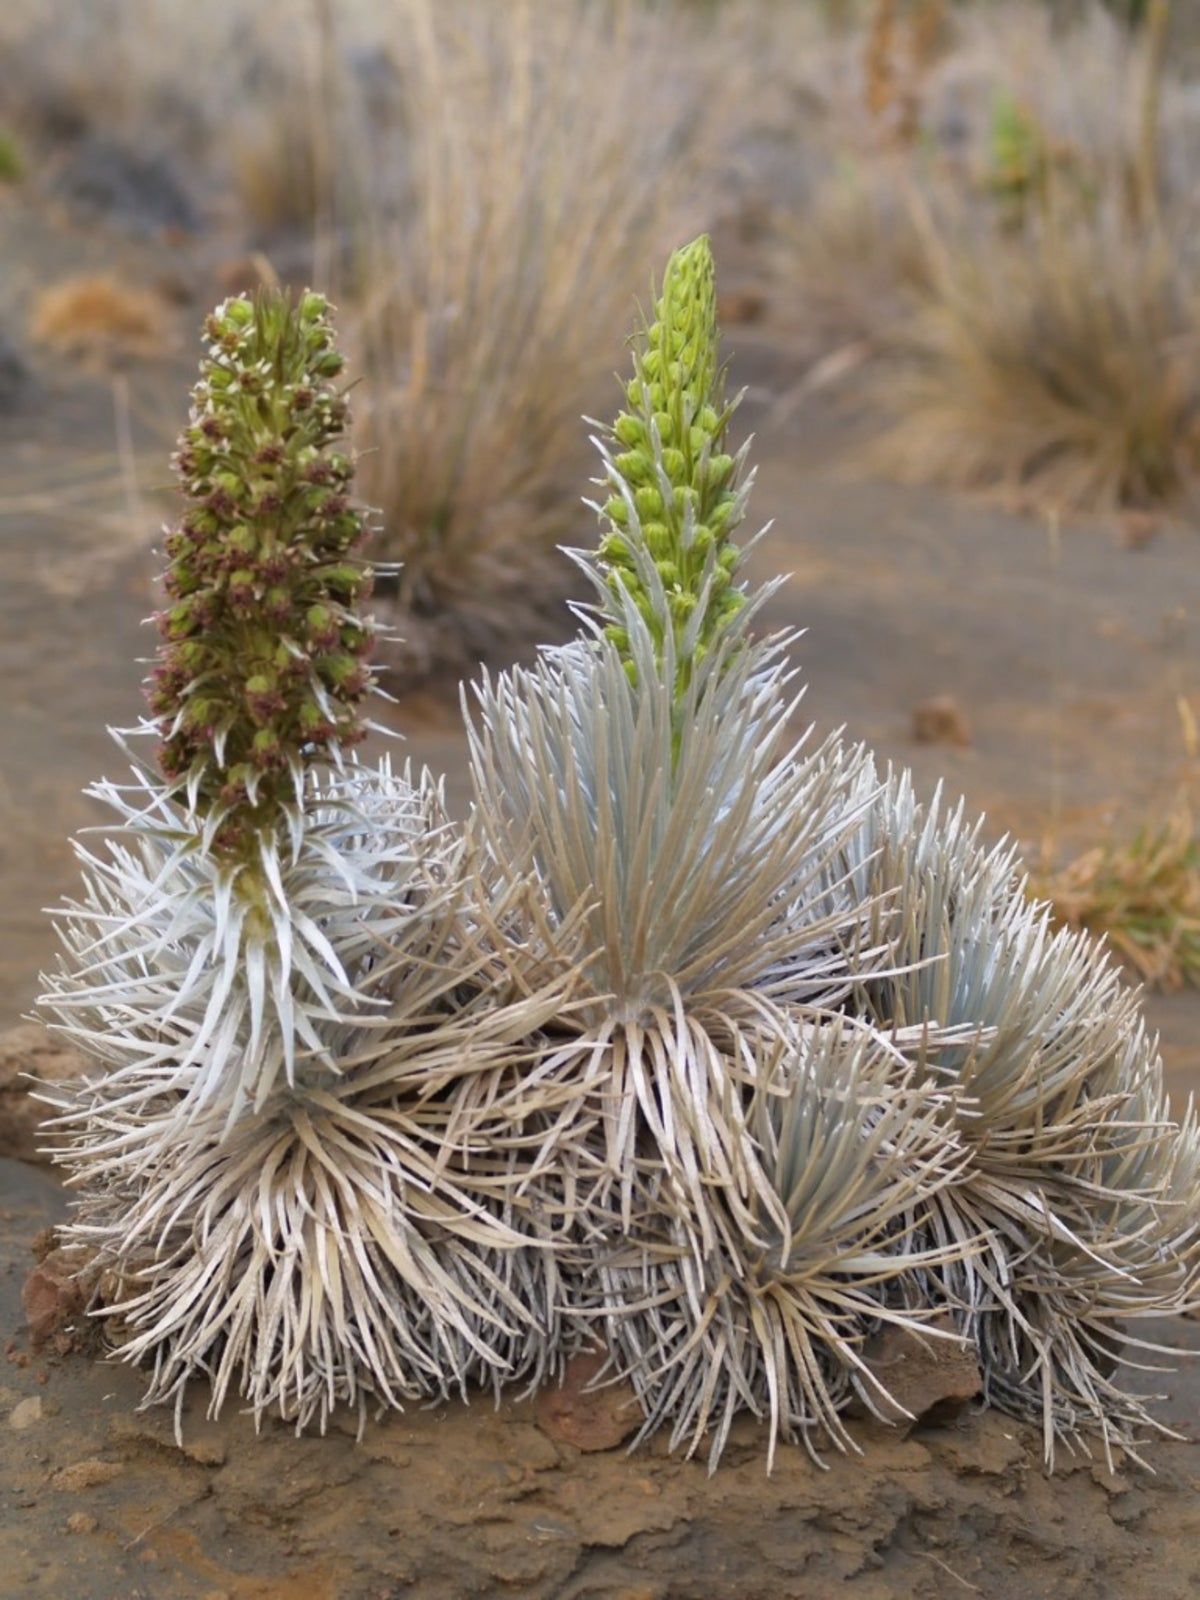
(1143,895)
(12,158)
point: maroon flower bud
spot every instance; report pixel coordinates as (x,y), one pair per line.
(275,566)
(221,503)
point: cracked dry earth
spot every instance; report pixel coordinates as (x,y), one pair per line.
(97,1501)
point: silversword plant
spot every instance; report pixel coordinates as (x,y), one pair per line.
(844,1072)
(295,1163)
(697,1038)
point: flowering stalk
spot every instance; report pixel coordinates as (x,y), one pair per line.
(262,665)
(676,497)
(247,915)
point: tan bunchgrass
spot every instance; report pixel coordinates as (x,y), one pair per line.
(1143,894)
(490,310)
(852,254)
(1064,363)
(100,318)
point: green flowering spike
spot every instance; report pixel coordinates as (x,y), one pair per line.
(675,499)
(262,669)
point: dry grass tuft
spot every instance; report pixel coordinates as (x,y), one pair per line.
(1065,362)
(1007,213)
(1144,895)
(100,318)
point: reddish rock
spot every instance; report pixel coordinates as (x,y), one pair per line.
(26,1053)
(940,720)
(921,1372)
(53,1296)
(745,303)
(589,1418)
(1138,529)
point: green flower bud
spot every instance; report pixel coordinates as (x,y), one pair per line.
(615,550)
(616,510)
(720,469)
(633,466)
(658,539)
(344,580)
(649,502)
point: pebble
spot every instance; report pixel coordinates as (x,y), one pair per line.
(86,1474)
(27,1413)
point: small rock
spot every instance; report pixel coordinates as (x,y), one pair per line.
(1138,529)
(920,1372)
(81,1522)
(590,1419)
(26,1414)
(940,720)
(206,1452)
(43,1243)
(86,1474)
(741,305)
(53,1296)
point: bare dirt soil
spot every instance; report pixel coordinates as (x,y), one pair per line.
(1064,654)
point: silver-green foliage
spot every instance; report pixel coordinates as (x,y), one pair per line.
(841,1071)
(697,1036)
